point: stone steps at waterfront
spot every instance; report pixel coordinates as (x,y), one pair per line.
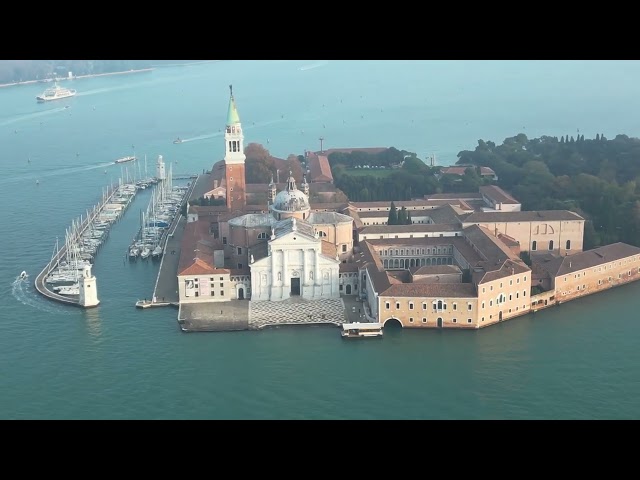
(296,312)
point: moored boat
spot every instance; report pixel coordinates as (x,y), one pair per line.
(361,330)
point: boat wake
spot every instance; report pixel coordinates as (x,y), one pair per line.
(23,291)
(311,66)
(54,172)
(201,137)
(219,134)
(31,115)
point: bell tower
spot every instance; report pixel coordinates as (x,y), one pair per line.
(234,158)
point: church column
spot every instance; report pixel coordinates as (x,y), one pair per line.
(316,276)
(273,273)
(304,267)
(285,279)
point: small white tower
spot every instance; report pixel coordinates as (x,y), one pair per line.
(160,173)
(88,289)
(305,185)
(272,191)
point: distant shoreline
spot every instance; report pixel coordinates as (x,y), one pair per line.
(78,76)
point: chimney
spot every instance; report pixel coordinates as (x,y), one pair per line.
(569,263)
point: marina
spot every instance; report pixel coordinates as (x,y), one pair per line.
(61,278)
(163,208)
(67,277)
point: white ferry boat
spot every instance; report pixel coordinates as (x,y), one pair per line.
(55,93)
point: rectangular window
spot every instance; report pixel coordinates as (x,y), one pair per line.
(222,293)
(344,248)
(221,285)
(397,306)
(411,306)
(387,305)
(455,306)
(510,282)
(424,320)
(410,319)
(224,240)
(424,306)
(455,320)
(239,266)
(517,280)
(482,304)
(525,278)
(468,320)
(469,307)
(239,250)
(524,293)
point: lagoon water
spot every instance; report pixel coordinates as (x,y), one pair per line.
(579,360)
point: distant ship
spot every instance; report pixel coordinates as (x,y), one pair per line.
(55,93)
(177,140)
(125,159)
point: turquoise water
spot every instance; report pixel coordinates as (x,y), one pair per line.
(580,360)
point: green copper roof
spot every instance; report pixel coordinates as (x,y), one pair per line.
(232,116)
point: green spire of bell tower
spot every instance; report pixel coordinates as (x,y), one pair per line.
(232,116)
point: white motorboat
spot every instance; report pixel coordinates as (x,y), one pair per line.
(23,275)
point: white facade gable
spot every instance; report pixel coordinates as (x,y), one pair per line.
(295,266)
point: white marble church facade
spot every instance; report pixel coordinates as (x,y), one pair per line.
(296,265)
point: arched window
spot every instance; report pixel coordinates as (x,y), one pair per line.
(439,304)
(568,247)
(550,244)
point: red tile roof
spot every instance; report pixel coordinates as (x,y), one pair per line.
(320,169)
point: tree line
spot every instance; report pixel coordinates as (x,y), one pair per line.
(25,70)
(414,180)
(596,178)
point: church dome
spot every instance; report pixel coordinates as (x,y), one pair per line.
(291,199)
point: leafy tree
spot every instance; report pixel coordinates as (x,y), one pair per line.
(293,164)
(409,220)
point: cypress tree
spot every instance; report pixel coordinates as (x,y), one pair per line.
(597,137)
(393,215)
(409,221)
(572,140)
(402,216)
(562,139)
